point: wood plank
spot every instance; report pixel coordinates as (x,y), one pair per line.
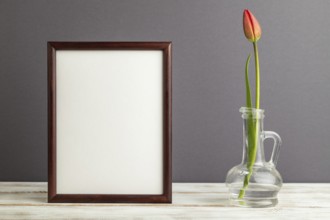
(190,201)
(156,212)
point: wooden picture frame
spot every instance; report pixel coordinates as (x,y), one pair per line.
(109,122)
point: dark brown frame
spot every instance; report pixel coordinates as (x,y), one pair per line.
(166,197)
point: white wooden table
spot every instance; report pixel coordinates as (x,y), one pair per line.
(190,201)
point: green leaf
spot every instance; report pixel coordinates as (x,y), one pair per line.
(247,83)
(251,132)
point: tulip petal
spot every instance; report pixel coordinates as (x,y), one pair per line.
(247,26)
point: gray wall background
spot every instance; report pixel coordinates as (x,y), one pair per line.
(209,52)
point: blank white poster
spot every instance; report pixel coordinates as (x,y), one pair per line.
(109,122)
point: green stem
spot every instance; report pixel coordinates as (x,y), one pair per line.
(256,55)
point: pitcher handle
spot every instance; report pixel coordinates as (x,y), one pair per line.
(276,147)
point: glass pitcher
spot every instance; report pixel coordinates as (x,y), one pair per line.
(255,182)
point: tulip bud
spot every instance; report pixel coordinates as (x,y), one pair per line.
(251,26)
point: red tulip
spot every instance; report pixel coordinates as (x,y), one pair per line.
(251,26)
